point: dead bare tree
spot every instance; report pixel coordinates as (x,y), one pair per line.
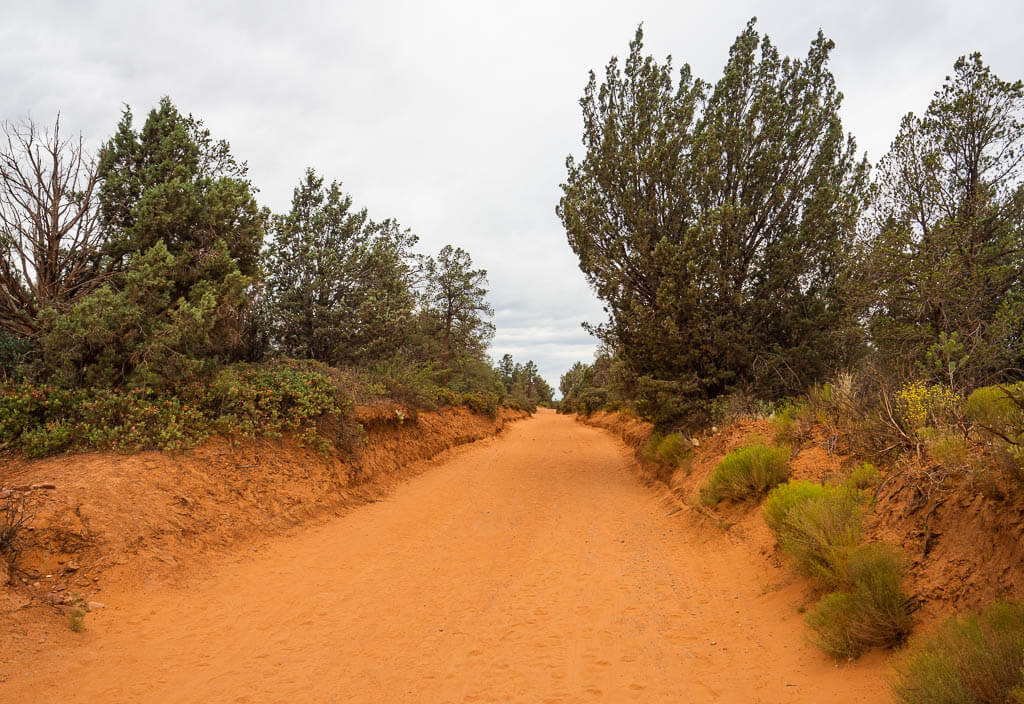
(50,238)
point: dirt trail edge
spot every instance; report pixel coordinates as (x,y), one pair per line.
(530,568)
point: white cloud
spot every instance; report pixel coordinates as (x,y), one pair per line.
(456,117)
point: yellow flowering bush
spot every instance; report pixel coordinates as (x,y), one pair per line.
(920,405)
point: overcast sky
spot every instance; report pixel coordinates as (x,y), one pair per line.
(456,117)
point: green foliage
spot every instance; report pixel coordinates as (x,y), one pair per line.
(999,412)
(455,312)
(975,658)
(674,450)
(997,409)
(789,421)
(671,450)
(241,399)
(947,447)
(816,526)
(183,233)
(870,610)
(137,333)
(746,473)
(340,286)
(714,223)
(863,476)
(943,271)
(523,385)
(592,387)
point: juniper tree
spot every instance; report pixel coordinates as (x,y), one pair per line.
(455,314)
(713,220)
(183,232)
(340,285)
(947,260)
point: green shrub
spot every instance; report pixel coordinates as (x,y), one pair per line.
(480,402)
(992,408)
(864,476)
(1002,418)
(970,659)
(816,526)
(650,451)
(946,447)
(789,422)
(870,610)
(748,472)
(242,399)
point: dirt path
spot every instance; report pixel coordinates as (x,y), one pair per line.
(530,568)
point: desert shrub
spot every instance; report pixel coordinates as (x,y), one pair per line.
(748,472)
(650,451)
(480,402)
(995,409)
(869,610)
(673,450)
(946,447)
(816,526)
(791,422)
(976,658)
(999,412)
(240,399)
(863,476)
(919,405)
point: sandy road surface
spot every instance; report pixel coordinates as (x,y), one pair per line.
(529,568)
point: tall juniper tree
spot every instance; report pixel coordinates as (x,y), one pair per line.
(947,259)
(713,221)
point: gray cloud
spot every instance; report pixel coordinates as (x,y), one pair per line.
(456,117)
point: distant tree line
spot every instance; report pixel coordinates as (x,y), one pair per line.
(739,244)
(151,266)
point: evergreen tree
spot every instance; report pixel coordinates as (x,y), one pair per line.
(947,261)
(341,285)
(455,311)
(713,223)
(183,234)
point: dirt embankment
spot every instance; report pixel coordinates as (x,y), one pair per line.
(143,519)
(965,546)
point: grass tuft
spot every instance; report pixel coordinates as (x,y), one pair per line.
(746,473)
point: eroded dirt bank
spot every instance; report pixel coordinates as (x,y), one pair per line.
(964,548)
(533,567)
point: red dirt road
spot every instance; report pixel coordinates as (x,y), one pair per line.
(533,567)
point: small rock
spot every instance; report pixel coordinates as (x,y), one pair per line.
(94,605)
(44,485)
(35,584)
(695,442)
(714,429)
